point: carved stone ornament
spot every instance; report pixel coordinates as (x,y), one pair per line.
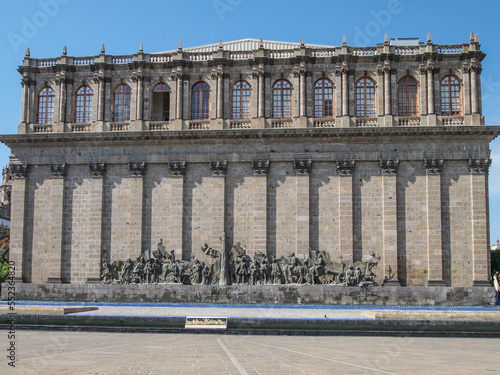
(260,167)
(433,166)
(137,169)
(346,167)
(97,78)
(479,166)
(97,169)
(19,170)
(218,167)
(177,168)
(389,167)
(302,166)
(58,170)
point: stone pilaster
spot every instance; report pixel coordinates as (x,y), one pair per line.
(175,214)
(137,172)
(94,252)
(480,221)
(345,89)
(99,81)
(25,105)
(262,93)
(387,88)
(56,223)
(178,95)
(302,81)
(302,171)
(389,170)
(218,197)
(466,89)
(475,71)
(422,90)
(260,170)
(138,78)
(430,87)
(345,171)
(18,215)
(433,168)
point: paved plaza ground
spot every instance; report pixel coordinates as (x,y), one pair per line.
(91,353)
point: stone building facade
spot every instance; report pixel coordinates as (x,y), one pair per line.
(285,147)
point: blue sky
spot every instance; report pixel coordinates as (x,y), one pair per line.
(45,26)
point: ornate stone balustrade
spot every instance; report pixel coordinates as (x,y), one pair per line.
(158,125)
(366,122)
(369,51)
(324,123)
(281,55)
(84,61)
(450,49)
(160,59)
(452,120)
(201,57)
(43,63)
(119,126)
(241,56)
(280,124)
(407,51)
(323,53)
(240,124)
(43,128)
(86,127)
(199,125)
(123,59)
(409,121)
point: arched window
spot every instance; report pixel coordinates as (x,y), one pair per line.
(83,112)
(282,99)
(450,96)
(46,106)
(407,97)
(160,110)
(200,101)
(121,105)
(365,98)
(241,100)
(323,98)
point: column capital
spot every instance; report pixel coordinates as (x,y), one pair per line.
(346,167)
(177,168)
(302,166)
(260,167)
(19,171)
(433,166)
(389,167)
(58,170)
(479,166)
(218,167)
(97,169)
(137,169)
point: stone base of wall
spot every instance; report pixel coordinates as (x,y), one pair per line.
(266,294)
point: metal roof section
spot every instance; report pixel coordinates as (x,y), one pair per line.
(246,45)
(405,42)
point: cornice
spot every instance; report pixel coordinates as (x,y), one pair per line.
(347,135)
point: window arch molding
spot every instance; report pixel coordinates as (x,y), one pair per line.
(45,105)
(83,103)
(122,97)
(323,98)
(200,101)
(241,94)
(407,96)
(365,97)
(451,95)
(282,99)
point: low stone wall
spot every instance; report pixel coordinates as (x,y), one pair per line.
(244,294)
